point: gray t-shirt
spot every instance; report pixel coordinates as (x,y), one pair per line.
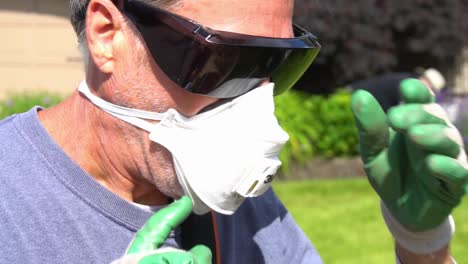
(52,211)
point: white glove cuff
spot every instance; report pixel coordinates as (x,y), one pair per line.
(424,242)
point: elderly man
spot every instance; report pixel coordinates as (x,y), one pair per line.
(177,105)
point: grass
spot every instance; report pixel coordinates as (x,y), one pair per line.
(342,218)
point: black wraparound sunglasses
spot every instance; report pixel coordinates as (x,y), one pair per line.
(218,63)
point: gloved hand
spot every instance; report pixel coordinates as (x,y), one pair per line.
(144,249)
(414,159)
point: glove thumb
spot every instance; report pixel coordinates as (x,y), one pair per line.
(372,125)
(153,234)
(201,254)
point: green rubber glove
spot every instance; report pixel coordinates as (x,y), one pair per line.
(414,159)
(145,247)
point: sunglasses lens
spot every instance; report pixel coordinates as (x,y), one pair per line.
(292,69)
(219,70)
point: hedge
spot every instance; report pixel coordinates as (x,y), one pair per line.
(318,126)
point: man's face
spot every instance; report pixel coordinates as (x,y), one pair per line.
(141,84)
(252,17)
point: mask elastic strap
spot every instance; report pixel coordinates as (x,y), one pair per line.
(129,115)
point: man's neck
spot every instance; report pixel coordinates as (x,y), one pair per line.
(94,141)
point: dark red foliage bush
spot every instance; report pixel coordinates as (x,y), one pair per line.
(362,38)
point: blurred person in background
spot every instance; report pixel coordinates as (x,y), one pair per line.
(386,88)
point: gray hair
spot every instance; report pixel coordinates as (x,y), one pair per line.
(78,19)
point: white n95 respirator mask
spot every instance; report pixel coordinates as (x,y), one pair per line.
(221,156)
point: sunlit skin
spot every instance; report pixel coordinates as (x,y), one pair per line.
(121,71)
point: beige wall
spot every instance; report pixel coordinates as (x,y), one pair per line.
(38,47)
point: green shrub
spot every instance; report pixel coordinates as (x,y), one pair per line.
(317,126)
(22,102)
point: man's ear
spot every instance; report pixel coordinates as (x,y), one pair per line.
(103,23)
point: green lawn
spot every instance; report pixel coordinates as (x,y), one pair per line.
(342,218)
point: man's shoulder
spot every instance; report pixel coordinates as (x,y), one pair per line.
(17,153)
(6,124)
(12,125)
(10,136)
(11,130)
